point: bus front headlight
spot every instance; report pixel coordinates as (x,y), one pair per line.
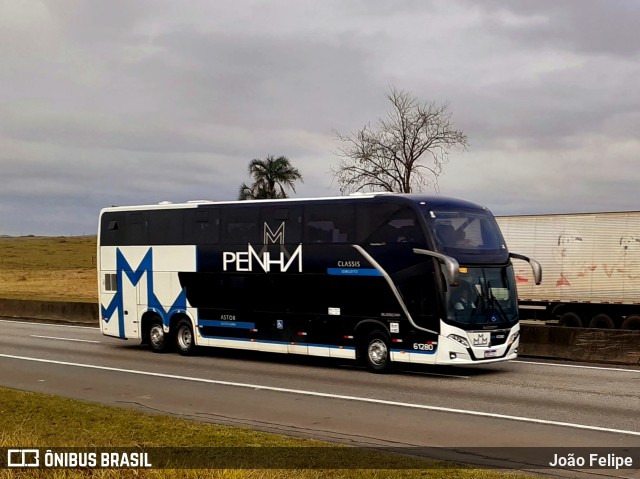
(460,339)
(513,337)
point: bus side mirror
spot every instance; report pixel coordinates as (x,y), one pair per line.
(451,265)
(535,266)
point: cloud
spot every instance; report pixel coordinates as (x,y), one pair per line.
(138,102)
(583,26)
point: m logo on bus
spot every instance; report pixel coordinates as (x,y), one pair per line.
(274,238)
(245,261)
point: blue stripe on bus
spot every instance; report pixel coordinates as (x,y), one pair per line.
(226,324)
(287,343)
(352,348)
(244,340)
(354,272)
(413,351)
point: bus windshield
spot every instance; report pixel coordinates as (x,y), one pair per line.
(484,296)
(469,235)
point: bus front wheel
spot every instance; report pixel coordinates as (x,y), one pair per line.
(185,342)
(377,352)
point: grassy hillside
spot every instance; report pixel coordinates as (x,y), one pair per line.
(47,268)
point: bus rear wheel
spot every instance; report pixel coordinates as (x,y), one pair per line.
(157,338)
(185,341)
(377,352)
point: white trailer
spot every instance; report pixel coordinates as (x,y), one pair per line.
(591,265)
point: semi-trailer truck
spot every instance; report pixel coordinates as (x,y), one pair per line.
(591,265)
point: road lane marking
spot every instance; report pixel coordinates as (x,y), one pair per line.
(64,339)
(329,395)
(600,368)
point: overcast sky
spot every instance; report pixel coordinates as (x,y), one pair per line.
(136,102)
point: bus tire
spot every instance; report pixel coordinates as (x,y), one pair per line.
(631,322)
(185,340)
(377,352)
(602,321)
(570,320)
(157,338)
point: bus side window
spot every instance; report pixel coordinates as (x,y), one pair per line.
(113,229)
(110,282)
(137,229)
(240,226)
(319,232)
(329,223)
(202,226)
(388,224)
(165,226)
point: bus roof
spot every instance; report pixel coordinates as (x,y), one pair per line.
(434,201)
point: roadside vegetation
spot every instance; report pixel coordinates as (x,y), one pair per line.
(36,420)
(48,268)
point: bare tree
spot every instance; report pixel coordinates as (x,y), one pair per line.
(407,150)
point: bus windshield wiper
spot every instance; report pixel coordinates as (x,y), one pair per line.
(493,301)
(479,304)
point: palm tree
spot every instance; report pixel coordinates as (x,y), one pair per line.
(272,176)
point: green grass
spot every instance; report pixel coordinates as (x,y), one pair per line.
(37,420)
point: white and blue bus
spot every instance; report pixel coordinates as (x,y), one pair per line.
(379,278)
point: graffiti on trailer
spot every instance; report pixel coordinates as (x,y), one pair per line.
(627,258)
(568,253)
(579,258)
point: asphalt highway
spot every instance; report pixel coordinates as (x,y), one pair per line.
(524,403)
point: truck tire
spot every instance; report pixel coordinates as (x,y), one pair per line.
(570,320)
(631,322)
(602,321)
